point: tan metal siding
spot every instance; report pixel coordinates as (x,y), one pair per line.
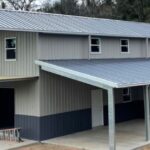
(27,97)
(26,55)
(76,47)
(59,94)
(62,47)
(110,48)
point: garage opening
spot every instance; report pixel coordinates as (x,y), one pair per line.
(7,108)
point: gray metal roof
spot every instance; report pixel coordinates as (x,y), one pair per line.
(65,24)
(117,72)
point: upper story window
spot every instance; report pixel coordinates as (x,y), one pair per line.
(124,45)
(95,45)
(10,47)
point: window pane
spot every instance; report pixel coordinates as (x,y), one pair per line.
(125,91)
(10,43)
(124,42)
(94,48)
(95,41)
(126,98)
(124,49)
(11,54)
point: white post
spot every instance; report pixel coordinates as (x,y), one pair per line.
(147,47)
(111,118)
(147,112)
(89,39)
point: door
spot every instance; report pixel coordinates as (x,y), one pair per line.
(97,108)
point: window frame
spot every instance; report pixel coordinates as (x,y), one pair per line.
(8,38)
(99,45)
(128,46)
(128,94)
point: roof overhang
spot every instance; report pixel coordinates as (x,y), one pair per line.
(74,33)
(80,70)
(75,75)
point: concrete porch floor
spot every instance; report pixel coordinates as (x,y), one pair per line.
(129,135)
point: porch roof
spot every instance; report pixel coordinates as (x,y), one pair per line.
(104,73)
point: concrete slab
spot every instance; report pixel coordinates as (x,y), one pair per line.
(6,145)
(129,135)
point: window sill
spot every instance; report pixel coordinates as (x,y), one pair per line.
(125,52)
(13,60)
(95,53)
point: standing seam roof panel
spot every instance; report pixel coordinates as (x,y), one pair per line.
(57,23)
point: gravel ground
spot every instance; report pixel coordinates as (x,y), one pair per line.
(47,147)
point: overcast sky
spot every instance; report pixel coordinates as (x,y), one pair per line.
(41,1)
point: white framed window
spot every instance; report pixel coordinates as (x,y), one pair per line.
(95,45)
(10,49)
(124,44)
(126,95)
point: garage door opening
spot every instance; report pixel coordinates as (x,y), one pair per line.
(7,108)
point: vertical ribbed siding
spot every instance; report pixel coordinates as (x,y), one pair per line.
(25,53)
(77,47)
(62,47)
(59,94)
(110,48)
(27,98)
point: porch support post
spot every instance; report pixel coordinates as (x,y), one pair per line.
(147,112)
(111,117)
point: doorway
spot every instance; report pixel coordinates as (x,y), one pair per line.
(7,108)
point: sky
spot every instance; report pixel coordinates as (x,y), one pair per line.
(41,1)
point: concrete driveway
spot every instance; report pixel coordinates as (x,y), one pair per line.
(129,135)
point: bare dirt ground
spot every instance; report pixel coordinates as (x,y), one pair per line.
(144,148)
(47,147)
(58,147)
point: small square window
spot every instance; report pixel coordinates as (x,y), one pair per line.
(126,91)
(124,45)
(95,48)
(126,98)
(124,42)
(11,43)
(95,45)
(126,95)
(10,48)
(124,49)
(95,41)
(11,54)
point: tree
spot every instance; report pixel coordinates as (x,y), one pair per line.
(21,4)
(137,10)
(62,7)
(2,4)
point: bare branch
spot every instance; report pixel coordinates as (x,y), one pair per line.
(21,4)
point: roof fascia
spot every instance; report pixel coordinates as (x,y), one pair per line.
(75,75)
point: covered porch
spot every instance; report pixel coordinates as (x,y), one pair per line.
(129,135)
(110,75)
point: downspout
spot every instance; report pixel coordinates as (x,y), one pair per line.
(147,47)
(89,41)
